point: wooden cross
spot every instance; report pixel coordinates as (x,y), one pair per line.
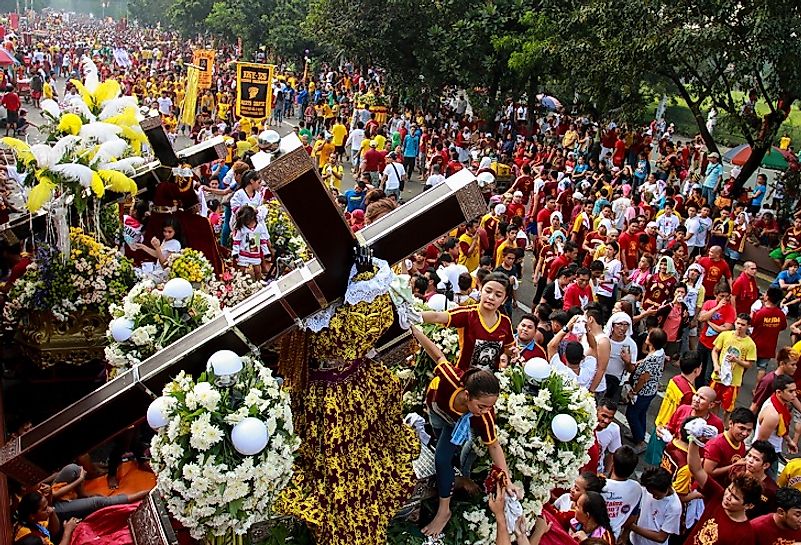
(295,180)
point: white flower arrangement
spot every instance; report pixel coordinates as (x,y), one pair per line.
(233,287)
(537,460)
(156,323)
(208,486)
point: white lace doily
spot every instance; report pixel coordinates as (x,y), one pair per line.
(368,290)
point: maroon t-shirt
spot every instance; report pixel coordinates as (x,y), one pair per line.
(746,291)
(767,324)
(767,532)
(719,449)
(715,526)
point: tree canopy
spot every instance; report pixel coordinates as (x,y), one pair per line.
(609,57)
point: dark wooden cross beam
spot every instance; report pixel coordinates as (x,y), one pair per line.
(200,154)
(294,179)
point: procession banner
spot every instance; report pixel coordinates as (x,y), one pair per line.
(204,58)
(254,92)
(190,98)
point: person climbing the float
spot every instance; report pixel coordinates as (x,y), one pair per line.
(484,333)
(460,404)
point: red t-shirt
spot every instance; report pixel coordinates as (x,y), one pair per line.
(559,262)
(725,315)
(767,532)
(11,101)
(715,270)
(576,296)
(630,249)
(525,184)
(544,217)
(480,345)
(746,291)
(715,525)
(767,322)
(515,209)
(372,160)
(683,412)
(719,449)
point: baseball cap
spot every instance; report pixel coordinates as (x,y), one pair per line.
(652,224)
(392,155)
(715,155)
(578,195)
(373,143)
(518,193)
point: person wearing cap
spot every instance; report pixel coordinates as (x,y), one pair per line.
(393,176)
(372,162)
(713,175)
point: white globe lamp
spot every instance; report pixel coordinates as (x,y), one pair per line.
(225,364)
(249,436)
(157,413)
(564,427)
(179,290)
(537,369)
(121,329)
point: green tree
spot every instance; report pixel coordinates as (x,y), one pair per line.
(712,52)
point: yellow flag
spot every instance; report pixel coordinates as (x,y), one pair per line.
(190,98)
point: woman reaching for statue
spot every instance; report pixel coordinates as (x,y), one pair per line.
(459,404)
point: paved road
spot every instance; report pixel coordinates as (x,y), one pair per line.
(526,291)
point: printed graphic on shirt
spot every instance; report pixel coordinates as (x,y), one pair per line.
(486,353)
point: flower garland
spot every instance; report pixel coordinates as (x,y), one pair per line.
(537,460)
(191,265)
(91,278)
(154,323)
(209,487)
(233,287)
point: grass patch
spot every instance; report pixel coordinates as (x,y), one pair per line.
(679,114)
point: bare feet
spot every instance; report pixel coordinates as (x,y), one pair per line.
(112,482)
(436,526)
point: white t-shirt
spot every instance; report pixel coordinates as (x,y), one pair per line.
(611,277)
(609,441)
(616,365)
(697,229)
(434,180)
(393,172)
(658,515)
(586,371)
(165,105)
(622,498)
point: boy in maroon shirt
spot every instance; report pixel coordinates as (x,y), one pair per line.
(724,520)
(783,526)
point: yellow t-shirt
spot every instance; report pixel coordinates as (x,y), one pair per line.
(245,125)
(47,90)
(330,179)
(741,347)
(222,110)
(364,147)
(242,146)
(380,142)
(784,142)
(791,475)
(470,261)
(338,133)
(325,153)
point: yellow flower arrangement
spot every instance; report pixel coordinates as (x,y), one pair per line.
(191,265)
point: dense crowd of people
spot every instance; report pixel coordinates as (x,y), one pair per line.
(632,239)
